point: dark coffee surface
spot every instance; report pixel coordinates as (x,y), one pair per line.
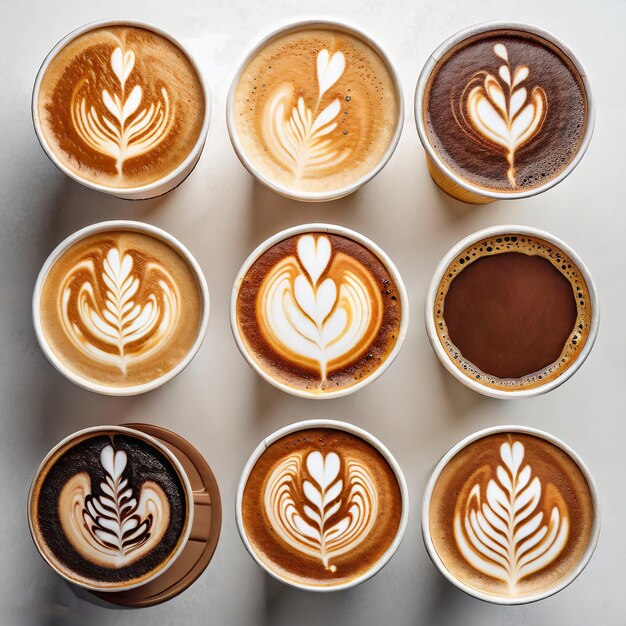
(92,556)
(513,311)
(526,143)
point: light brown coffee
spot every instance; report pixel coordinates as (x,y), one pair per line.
(321,507)
(121,106)
(316,110)
(318,312)
(120,308)
(511,515)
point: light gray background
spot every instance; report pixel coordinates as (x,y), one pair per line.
(219,404)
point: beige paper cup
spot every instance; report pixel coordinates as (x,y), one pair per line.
(349,428)
(139,227)
(441,173)
(432,552)
(283,190)
(159,187)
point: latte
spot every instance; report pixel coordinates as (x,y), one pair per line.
(120,106)
(505,110)
(110,509)
(321,507)
(120,308)
(511,516)
(318,312)
(513,311)
(315,109)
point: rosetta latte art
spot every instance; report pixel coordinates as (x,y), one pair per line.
(118,526)
(127,131)
(502,115)
(501,532)
(328,513)
(120,309)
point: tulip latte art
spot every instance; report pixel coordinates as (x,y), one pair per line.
(108,510)
(505,110)
(120,308)
(315,110)
(321,506)
(511,514)
(318,312)
(121,106)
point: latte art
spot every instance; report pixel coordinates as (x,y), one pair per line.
(334,517)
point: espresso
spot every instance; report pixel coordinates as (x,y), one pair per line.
(505,110)
(316,110)
(318,312)
(121,106)
(108,510)
(513,312)
(511,515)
(321,507)
(120,308)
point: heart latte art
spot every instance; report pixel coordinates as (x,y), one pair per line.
(318,311)
(511,515)
(315,110)
(321,507)
(121,106)
(120,308)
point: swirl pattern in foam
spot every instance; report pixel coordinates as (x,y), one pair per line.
(321,507)
(120,308)
(315,110)
(121,106)
(318,311)
(511,515)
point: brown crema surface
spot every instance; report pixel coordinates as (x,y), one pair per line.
(295,565)
(478,160)
(513,312)
(348,257)
(126,328)
(282,143)
(563,485)
(121,121)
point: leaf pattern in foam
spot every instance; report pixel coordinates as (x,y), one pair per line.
(504,535)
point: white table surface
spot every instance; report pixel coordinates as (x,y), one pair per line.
(220,405)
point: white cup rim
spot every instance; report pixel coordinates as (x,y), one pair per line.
(168,455)
(492,598)
(123,192)
(461,36)
(132,226)
(336,230)
(337,425)
(302,24)
(431,328)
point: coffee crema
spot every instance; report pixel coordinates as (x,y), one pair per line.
(121,106)
(318,312)
(108,510)
(321,507)
(505,110)
(120,308)
(511,515)
(316,110)
(512,312)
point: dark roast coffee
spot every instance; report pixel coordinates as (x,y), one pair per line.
(109,510)
(513,311)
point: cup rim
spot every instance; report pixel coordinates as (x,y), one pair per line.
(492,598)
(336,425)
(121,192)
(458,38)
(336,230)
(295,26)
(441,353)
(131,226)
(170,457)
